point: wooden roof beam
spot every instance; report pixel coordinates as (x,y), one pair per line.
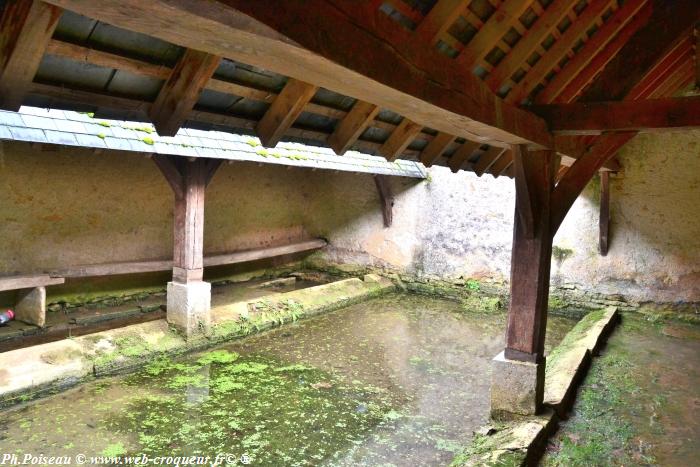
(487,159)
(181,91)
(366,58)
(544,65)
(494,28)
(351,127)
(26,26)
(439,19)
(594,45)
(590,118)
(462,155)
(399,139)
(284,110)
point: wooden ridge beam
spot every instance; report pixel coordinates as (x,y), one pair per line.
(546,23)
(640,115)
(284,110)
(439,19)
(351,127)
(436,148)
(494,28)
(366,58)
(179,94)
(26,26)
(544,65)
(462,155)
(583,57)
(399,140)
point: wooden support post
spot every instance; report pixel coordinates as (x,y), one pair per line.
(386,197)
(604,211)
(26,27)
(531,255)
(188,181)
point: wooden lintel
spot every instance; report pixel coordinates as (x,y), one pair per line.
(487,159)
(26,27)
(386,197)
(399,139)
(435,148)
(349,129)
(604,223)
(179,93)
(462,155)
(284,110)
(639,115)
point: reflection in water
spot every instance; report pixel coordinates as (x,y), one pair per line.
(401,379)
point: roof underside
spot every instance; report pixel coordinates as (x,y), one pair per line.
(525,51)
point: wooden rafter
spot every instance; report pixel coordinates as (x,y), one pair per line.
(439,19)
(640,115)
(429,88)
(436,148)
(487,159)
(399,140)
(584,56)
(351,126)
(179,94)
(284,110)
(493,29)
(501,164)
(544,65)
(462,155)
(26,26)
(543,26)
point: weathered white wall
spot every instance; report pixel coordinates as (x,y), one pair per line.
(70,207)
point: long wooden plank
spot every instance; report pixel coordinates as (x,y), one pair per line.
(351,126)
(555,53)
(494,28)
(640,115)
(435,148)
(26,26)
(133,267)
(462,155)
(284,110)
(399,140)
(344,46)
(439,19)
(29,281)
(552,16)
(179,94)
(584,56)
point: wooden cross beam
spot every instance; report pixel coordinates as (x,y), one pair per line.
(181,90)
(26,27)
(590,118)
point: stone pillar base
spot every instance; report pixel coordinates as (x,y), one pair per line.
(31,306)
(189,307)
(517,388)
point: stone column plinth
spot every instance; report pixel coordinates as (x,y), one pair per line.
(517,388)
(31,306)
(189,307)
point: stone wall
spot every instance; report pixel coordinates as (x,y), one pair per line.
(70,206)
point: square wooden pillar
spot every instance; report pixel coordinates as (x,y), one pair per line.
(189,298)
(518,377)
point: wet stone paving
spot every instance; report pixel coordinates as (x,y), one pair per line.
(398,380)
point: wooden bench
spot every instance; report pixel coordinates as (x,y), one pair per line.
(31,298)
(31,304)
